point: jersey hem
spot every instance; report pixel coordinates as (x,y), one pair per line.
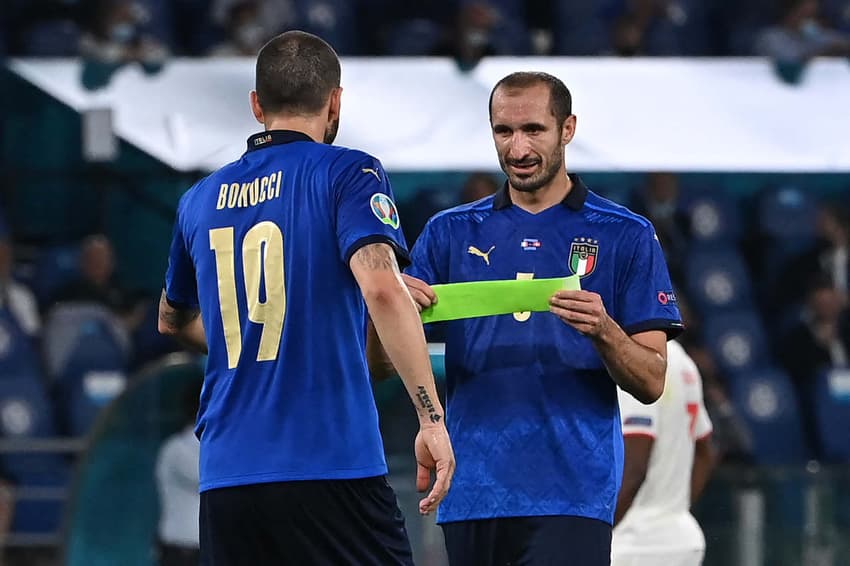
(273,477)
(483,517)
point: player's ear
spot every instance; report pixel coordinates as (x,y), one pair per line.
(334,104)
(568,130)
(256,108)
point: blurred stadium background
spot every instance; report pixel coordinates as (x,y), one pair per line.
(721,121)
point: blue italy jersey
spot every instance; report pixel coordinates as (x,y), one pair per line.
(262,246)
(531,410)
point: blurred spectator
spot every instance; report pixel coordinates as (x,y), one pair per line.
(477,186)
(821,340)
(14,296)
(97,284)
(659,202)
(822,337)
(177,481)
(799,35)
(246,33)
(828,258)
(114,38)
(471,37)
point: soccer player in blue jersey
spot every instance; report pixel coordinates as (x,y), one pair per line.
(532,397)
(272,258)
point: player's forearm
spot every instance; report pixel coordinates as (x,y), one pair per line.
(399,329)
(380,366)
(637,369)
(705,458)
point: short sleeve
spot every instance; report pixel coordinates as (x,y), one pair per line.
(637,418)
(181,288)
(366,211)
(645,296)
(426,263)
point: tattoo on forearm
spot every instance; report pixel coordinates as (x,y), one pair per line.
(173,317)
(178,319)
(427,404)
(377,256)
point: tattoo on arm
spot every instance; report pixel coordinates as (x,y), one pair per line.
(175,318)
(427,404)
(380,257)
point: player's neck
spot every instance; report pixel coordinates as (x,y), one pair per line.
(309,126)
(546,196)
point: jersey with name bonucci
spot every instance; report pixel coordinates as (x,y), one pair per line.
(262,247)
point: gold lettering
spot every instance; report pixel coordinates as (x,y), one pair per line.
(222,197)
(243,195)
(234,194)
(263,184)
(277,187)
(252,194)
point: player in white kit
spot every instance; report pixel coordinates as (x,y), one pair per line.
(667,463)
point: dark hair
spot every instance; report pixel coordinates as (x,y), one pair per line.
(296,72)
(560,99)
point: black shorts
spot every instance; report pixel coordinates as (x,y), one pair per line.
(333,522)
(529,541)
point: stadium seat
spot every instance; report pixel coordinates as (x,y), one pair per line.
(413,37)
(788,213)
(583,28)
(330,20)
(832,412)
(25,413)
(17,355)
(53,38)
(682,30)
(737,341)
(717,279)
(769,407)
(95,373)
(714,217)
(66,322)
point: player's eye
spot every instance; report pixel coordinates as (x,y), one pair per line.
(501,130)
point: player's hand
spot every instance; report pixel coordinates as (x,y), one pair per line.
(583,310)
(421,292)
(433,452)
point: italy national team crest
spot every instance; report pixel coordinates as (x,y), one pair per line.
(384,209)
(583,255)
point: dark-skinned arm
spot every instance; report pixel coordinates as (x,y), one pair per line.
(705,458)
(638,448)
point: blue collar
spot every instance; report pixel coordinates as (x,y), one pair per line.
(276,137)
(574,199)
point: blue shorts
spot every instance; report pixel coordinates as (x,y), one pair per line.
(529,541)
(299,523)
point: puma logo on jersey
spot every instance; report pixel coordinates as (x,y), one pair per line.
(373,172)
(483,255)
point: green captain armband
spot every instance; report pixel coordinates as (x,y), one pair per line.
(488,298)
